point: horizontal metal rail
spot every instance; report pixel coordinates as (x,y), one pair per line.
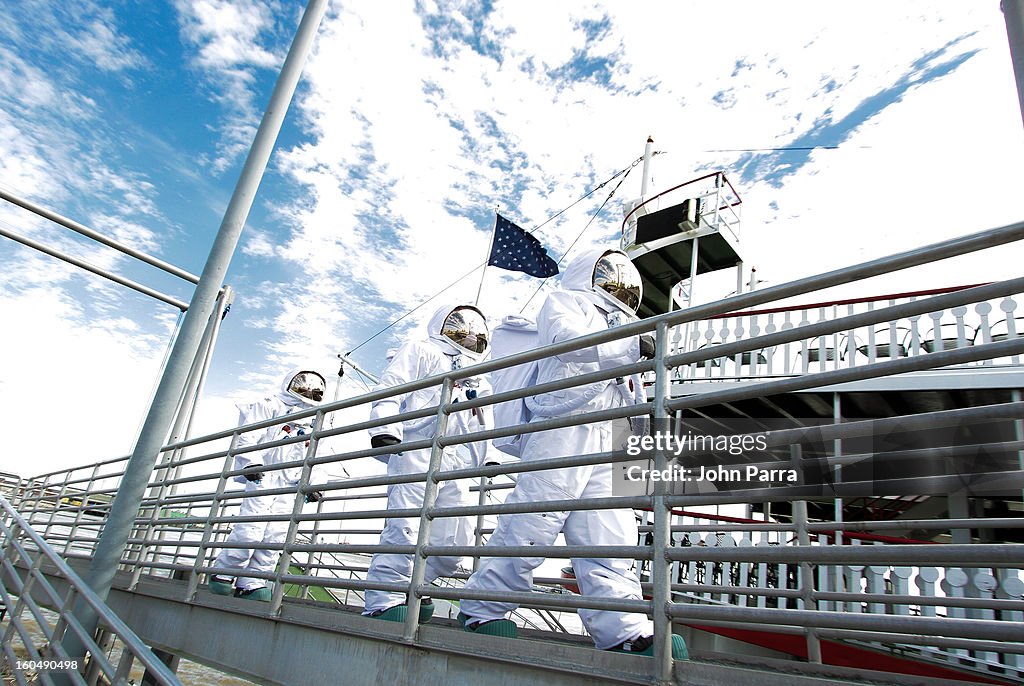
(98,237)
(99,271)
(931,626)
(851,301)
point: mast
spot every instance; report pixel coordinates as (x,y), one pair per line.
(1013,14)
(648,153)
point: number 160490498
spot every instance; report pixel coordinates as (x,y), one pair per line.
(46,665)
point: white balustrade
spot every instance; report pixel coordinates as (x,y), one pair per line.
(958,327)
(933,585)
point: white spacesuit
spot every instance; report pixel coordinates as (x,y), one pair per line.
(457,338)
(301,389)
(600,289)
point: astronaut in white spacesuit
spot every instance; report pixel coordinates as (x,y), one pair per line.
(457,337)
(599,289)
(301,389)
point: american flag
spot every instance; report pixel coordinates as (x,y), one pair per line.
(518,251)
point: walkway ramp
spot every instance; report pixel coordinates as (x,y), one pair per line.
(311,643)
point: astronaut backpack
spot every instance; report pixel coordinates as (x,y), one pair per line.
(515,334)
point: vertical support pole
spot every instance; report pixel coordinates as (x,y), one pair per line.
(646,180)
(1018,431)
(285,562)
(1013,15)
(806,577)
(959,508)
(161,412)
(695,251)
(147,529)
(104,641)
(661,578)
(419,562)
(215,511)
(169,659)
(314,538)
(837,512)
(478,533)
(227,297)
(188,395)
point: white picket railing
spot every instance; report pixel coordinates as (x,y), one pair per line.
(881,589)
(957,327)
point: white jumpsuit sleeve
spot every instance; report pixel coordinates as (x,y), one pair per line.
(565,316)
(406,366)
(249,413)
(481,420)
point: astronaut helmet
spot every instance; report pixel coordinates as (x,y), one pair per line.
(306,386)
(616,278)
(466,327)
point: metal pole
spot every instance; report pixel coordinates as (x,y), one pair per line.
(351,363)
(183,413)
(284,564)
(645,181)
(182,425)
(487,260)
(82,264)
(161,413)
(1013,14)
(96,236)
(430,487)
(661,566)
(837,478)
(806,574)
(225,301)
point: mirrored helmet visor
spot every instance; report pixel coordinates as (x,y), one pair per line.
(618,276)
(466,328)
(308,385)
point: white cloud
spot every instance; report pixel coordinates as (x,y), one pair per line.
(227,36)
(415,120)
(101,43)
(73,339)
(227,33)
(96,380)
(381,191)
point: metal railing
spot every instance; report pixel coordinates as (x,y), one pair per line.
(32,635)
(980,621)
(717,206)
(947,327)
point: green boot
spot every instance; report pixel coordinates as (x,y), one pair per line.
(495,627)
(262,594)
(645,646)
(426,610)
(398,613)
(222,585)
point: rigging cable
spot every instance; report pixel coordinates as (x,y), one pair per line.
(587,226)
(622,172)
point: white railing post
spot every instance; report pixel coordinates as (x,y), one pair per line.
(661,566)
(277,595)
(419,562)
(214,512)
(805,579)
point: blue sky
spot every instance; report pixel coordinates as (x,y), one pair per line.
(413,121)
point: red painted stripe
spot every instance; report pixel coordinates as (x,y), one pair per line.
(844,655)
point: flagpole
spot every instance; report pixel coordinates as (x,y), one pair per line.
(490,247)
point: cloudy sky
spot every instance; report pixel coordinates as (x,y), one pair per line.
(412,123)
